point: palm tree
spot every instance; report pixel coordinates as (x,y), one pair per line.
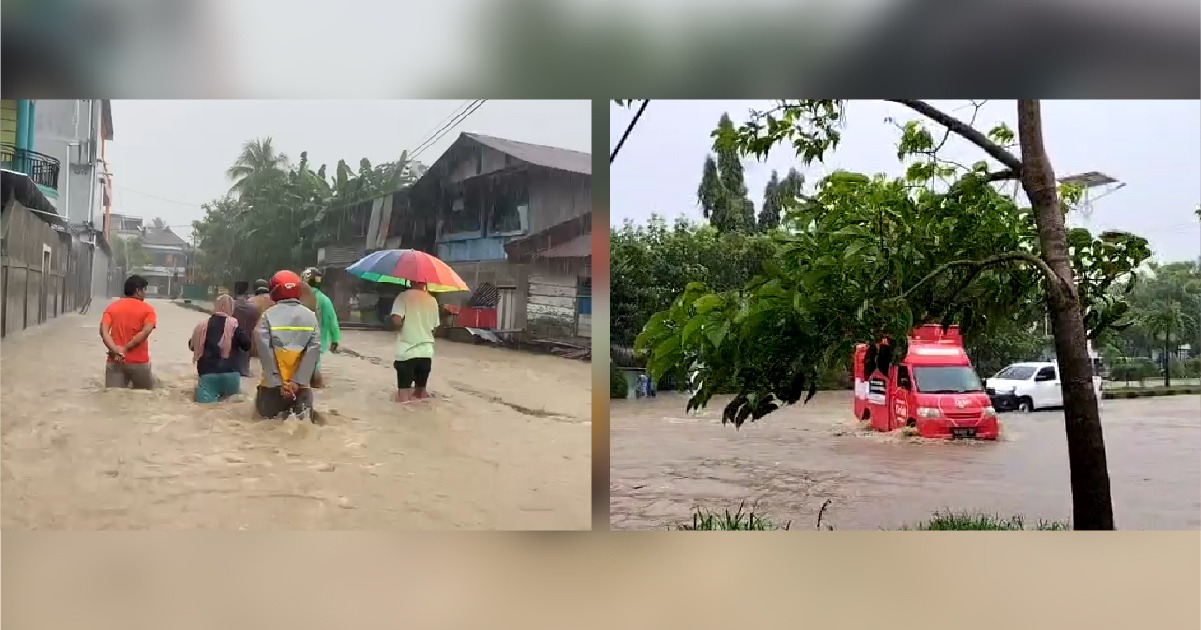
(1170,299)
(1168,318)
(258,160)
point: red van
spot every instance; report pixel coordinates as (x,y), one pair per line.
(933,388)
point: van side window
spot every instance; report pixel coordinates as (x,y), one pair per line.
(903,377)
(1047,373)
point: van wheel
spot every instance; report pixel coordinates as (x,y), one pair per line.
(911,423)
(867,415)
(1025,405)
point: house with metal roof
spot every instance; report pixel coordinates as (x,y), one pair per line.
(516,217)
(512,218)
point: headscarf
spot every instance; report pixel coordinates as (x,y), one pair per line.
(223,307)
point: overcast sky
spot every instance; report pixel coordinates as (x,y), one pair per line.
(168,157)
(1152,146)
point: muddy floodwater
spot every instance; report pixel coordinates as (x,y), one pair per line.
(666,462)
(506,444)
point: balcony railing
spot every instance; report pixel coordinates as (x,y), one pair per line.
(42,169)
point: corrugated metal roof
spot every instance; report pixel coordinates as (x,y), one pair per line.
(579,247)
(539,154)
(164,237)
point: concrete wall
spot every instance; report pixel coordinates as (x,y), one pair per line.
(57,124)
(35,288)
(100,274)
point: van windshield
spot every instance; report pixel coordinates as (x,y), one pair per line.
(1016,373)
(957,379)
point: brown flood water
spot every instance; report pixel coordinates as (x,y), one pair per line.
(665,462)
(506,445)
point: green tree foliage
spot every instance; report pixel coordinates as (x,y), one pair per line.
(1167,309)
(618,386)
(778,196)
(869,257)
(722,192)
(652,264)
(129,253)
(278,214)
(769,214)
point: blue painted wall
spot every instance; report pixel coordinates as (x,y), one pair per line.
(482,249)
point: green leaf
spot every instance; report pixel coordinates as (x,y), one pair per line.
(717,333)
(708,303)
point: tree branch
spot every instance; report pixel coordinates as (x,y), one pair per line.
(965,131)
(1000,176)
(1054,282)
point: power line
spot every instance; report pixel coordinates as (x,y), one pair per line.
(620,143)
(425,144)
(145,194)
(450,126)
(457,116)
(457,111)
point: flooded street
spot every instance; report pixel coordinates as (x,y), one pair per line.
(666,462)
(506,445)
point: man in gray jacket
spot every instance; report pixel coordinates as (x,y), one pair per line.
(288,338)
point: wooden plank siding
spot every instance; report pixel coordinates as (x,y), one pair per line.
(551,305)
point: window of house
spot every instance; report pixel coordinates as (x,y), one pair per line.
(462,214)
(510,211)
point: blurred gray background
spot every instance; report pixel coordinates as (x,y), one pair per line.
(547,48)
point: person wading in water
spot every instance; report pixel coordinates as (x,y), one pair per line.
(261,302)
(215,345)
(125,329)
(414,316)
(288,337)
(247,315)
(331,334)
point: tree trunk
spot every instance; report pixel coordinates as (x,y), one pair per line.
(1092,506)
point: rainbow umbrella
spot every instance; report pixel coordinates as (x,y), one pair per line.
(406,266)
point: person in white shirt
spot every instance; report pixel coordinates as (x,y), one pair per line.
(415,316)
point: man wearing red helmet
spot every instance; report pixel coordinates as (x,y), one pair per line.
(288,337)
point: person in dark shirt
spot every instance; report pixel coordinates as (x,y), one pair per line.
(214,344)
(247,315)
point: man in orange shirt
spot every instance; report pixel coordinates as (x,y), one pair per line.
(124,328)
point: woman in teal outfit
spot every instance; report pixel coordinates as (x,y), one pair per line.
(214,344)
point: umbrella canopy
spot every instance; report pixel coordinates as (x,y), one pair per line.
(406,266)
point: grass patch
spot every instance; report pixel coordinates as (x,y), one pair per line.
(744,519)
(978,521)
(704,520)
(1148,392)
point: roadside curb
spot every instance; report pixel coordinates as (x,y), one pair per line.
(1150,392)
(193,307)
